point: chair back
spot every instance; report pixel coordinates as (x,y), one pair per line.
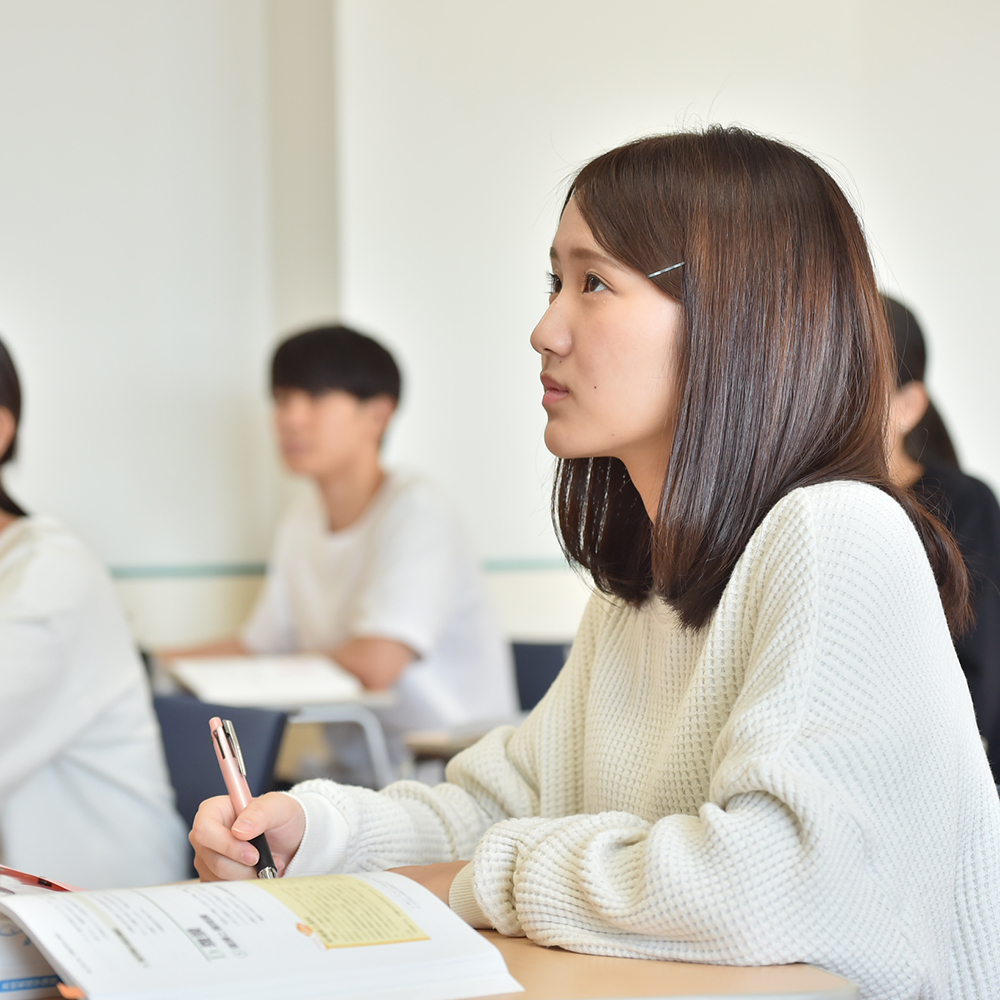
(536,665)
(187,742)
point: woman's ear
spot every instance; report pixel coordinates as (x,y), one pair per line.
(909,404)
(8,428)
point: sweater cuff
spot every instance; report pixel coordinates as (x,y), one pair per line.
(462,899)
(323,847)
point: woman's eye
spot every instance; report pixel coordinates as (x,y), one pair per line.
(555,283)
(593,284)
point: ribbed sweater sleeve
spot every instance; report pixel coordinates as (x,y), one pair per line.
(410,823)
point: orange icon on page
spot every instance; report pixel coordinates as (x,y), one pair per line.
(304,929)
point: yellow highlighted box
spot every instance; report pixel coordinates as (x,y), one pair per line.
(344,912)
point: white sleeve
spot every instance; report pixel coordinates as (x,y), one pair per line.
(409,823)
(411,580)
(33,728)
(504,775)
(50,690)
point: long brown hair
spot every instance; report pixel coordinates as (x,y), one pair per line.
(784,372)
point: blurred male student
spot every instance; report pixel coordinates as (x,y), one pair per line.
(370,567)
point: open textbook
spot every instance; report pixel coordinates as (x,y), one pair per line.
(268,681)
(347,937)
(24,973)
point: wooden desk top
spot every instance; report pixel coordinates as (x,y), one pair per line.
(554,974)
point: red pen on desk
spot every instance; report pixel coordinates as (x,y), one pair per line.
(37,881)
(227,749)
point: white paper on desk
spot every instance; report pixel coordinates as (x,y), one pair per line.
(24,973)
(224,940)
(267,681)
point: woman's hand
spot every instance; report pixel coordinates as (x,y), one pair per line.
(219,837)
(437,878)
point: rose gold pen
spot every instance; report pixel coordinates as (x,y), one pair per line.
(234,772)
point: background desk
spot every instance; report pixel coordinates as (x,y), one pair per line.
(356,708)
(554,974)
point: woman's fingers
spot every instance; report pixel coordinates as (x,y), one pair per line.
(219,836)
(217,853)
(278,815)
(214,867)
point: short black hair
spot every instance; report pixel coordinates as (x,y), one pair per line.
(324,358)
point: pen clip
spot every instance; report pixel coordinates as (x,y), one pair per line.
(220,744)
(234,745)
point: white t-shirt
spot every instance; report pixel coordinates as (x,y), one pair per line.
(84,792)
(400,572)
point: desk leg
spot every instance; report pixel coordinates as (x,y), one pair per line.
(364,717)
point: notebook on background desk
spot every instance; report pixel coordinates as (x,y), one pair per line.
(267,681)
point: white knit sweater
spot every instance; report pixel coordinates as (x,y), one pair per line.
(799,781)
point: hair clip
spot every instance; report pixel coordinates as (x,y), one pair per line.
(673,267)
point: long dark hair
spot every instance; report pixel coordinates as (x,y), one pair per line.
(785,365)
(929,441)
(10,399)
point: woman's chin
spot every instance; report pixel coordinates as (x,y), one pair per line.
(563,448)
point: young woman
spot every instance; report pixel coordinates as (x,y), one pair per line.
(922,458)
(762,748)
(84,793)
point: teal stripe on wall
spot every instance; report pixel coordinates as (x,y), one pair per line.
(186,572)
(212,570)
(523,565)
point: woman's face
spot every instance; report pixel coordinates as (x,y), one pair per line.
(608,343)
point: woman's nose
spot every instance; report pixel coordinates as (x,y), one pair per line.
(552,333)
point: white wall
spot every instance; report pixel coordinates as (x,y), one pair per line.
(303,159)
(459,123)
(135,277)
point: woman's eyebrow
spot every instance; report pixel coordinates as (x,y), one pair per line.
(587,255)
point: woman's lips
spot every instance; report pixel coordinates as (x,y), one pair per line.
(553,391)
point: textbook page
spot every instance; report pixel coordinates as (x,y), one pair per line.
(24,973)
(332,936)
(267,681)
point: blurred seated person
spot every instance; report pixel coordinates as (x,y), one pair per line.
(924,458)
(369,567)
(84,792)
